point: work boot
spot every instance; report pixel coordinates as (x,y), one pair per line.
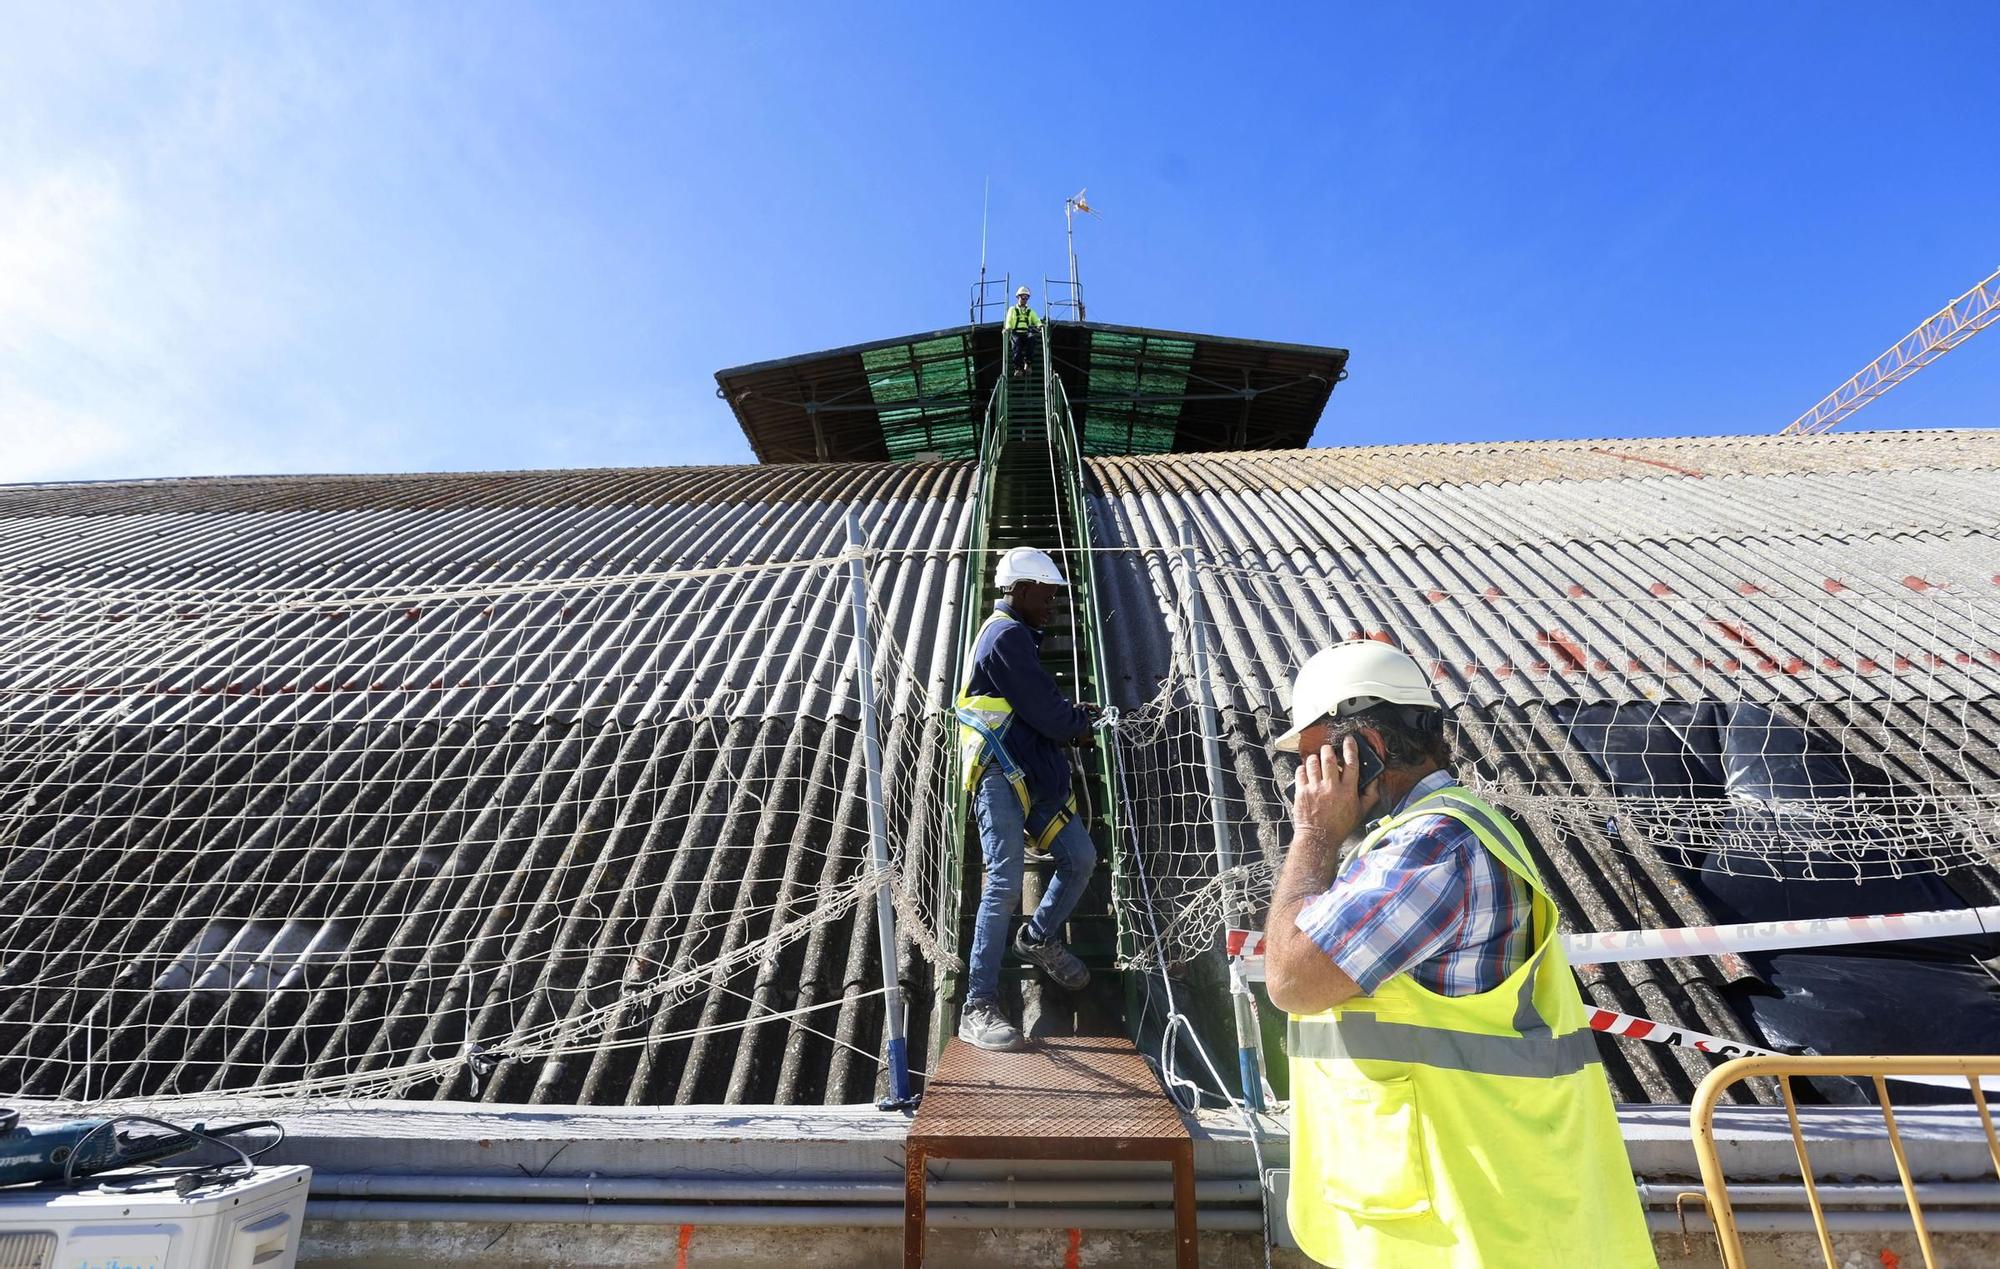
(1055,960)
(983,1026)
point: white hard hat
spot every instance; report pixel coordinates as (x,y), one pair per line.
(1026,564)
(1349,677)
(1022,291)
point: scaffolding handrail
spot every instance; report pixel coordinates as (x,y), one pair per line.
(1062,431)
(951,876)
(979,306)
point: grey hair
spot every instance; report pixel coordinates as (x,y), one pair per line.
(1411,734)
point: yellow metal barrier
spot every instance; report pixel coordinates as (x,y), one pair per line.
(1877,1069)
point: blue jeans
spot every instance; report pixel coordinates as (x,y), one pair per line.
(1002,840)
(1021,356)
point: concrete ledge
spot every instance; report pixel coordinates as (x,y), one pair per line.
(1849,1143)
(1846,1143)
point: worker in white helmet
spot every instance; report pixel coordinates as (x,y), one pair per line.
(1449,1108)
(1014,726)
(1023,329)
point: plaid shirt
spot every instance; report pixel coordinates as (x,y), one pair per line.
(1428,900)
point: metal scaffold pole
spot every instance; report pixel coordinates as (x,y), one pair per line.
(878,823)
(1248,1039)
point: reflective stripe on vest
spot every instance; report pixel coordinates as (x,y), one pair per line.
(1364,1037)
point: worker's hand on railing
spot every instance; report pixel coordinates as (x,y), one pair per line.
(1094,716)
(1102,717)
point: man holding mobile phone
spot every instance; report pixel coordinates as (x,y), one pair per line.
(1449,1108)
(1422,900)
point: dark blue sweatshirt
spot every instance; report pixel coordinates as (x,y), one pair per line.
(1007,661)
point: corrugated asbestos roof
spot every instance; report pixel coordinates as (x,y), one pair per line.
(385,802)
(1538,573)
(166,939)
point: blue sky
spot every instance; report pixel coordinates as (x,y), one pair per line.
(421,236)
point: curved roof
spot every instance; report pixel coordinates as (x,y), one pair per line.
(1534,577)
(603,763)
(442,760)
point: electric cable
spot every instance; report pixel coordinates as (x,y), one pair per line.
(188,1179)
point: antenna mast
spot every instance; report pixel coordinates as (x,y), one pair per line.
(976,310)
(1071,206)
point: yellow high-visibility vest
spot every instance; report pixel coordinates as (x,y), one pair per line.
(1469,1132)
(1021,318)
(982,729)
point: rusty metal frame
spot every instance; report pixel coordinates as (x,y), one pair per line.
(919,1151)
(1062,1098)
(1701,1116)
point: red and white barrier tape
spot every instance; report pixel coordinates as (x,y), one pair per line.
(1628,1027)
(1716,940)
(1636,1028)
(1248,947)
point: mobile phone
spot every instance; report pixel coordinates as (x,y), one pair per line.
(1371,765)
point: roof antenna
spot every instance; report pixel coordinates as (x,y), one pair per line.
(979,292)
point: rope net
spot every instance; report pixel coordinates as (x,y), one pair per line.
(1833,737)
(526,840)
(557,840)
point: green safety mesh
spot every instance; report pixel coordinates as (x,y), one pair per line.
(935,378)
(926,392)
(1133,366)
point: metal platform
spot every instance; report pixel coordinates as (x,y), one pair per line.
(1064,1097)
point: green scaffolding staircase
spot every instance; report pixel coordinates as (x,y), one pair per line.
(1031,494)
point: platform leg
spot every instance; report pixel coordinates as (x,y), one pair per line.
(1187,1246)
(913,1206)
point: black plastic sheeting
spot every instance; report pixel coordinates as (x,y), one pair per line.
(1762,856)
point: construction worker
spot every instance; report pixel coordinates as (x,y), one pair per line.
(1014,726)
(1448,1104)
(1023,329)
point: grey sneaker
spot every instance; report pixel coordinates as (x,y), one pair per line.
(983,1026)
(1055,960)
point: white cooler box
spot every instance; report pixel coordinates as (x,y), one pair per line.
(253,1224)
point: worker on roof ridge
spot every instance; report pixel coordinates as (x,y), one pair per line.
(1013,727)
(1448,1105)
(1023,329)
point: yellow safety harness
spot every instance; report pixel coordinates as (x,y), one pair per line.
(983,723)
